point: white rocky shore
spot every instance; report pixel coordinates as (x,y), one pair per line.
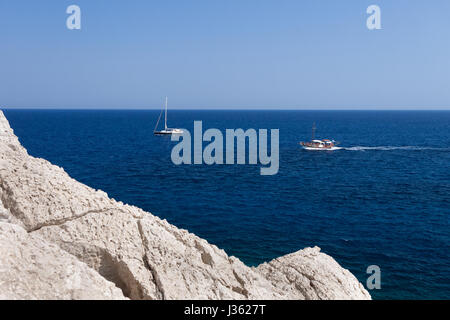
(60,239)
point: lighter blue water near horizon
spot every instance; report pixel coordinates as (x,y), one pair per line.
(383,200)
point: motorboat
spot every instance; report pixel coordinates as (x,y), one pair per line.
(317,144)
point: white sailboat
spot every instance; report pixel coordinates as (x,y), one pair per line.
(166,130)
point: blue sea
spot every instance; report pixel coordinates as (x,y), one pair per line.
(384,199)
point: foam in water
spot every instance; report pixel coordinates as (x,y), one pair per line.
(389,148)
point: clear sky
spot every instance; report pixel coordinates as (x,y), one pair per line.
(225,54)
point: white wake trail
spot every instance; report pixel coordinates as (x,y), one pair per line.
(389,148)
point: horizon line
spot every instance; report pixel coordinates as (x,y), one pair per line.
(224,109)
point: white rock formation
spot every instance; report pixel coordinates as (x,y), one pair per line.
(31,268)
(49,221)
(312,275)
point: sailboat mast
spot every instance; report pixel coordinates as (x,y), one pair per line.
(165,121)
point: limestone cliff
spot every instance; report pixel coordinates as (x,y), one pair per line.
(60,239)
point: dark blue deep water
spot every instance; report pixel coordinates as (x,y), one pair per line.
(384,200)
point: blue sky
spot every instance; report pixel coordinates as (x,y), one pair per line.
(225,54)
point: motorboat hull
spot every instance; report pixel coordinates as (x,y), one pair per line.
(321,149)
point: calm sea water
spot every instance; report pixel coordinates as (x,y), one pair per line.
(383,200)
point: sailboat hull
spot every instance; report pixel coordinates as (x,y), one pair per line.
(168,132)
